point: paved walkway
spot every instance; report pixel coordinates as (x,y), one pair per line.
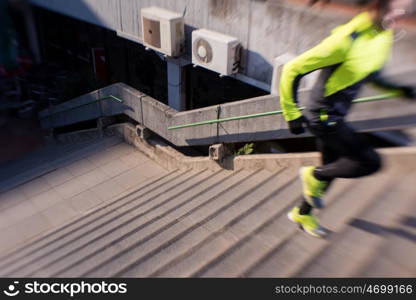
(56,197)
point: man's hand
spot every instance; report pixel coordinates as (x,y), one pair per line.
(409,92)
(296,126)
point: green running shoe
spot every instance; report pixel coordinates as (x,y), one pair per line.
(308,223)
(313,189)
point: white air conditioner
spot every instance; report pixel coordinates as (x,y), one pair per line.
(163,30)
(216,51)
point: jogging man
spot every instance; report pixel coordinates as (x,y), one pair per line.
(352,55)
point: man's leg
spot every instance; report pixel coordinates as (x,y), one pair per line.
(349,156)
(328,155)
(356,157)
(302,214)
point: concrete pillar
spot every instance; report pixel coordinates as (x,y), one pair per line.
(176,84)
(278,64)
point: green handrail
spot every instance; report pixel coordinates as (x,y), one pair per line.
(85,104)
(278,112)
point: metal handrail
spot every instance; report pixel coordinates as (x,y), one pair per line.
(85,104)
(278,112)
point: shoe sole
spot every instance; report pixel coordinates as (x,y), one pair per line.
(313,201)
(289,215)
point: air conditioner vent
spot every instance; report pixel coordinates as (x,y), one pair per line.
(203,51)
(163,30)
(216,51)
(152,32)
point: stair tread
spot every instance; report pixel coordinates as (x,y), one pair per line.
(110,217)
(279,192)
(301,248)
(230,224)
(154,236)
(198,225)
(132,220)
(67,231)
(360,240)
(397,249)
(249,252)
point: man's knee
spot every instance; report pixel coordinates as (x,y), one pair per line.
(371,165)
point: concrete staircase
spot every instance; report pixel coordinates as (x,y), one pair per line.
(232,223)
(53,186)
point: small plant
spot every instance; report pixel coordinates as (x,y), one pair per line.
(245,150)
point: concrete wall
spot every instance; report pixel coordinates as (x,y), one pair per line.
(83,108)
(382,115)
(266,28)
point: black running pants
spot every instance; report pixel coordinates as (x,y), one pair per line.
(345,154)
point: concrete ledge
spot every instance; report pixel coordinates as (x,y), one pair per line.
(275,161)
(172,159)
(404,157)
(160,152)
(79,136)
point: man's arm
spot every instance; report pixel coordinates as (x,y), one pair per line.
(331,51)
(382,82)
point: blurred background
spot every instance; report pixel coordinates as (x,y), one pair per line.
(52,51)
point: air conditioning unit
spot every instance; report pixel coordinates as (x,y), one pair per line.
(216,51)
(163,30)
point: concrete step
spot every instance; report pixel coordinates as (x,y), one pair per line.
(239,225)
(128,249)
(78,182)
(196,227)
(101,221)
(291,257)
(66,234)
(266,238)
(228,224)
(127,220)
(364,236)
(395,255)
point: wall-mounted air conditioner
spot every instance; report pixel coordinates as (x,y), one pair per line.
(216,51)
(163,30)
